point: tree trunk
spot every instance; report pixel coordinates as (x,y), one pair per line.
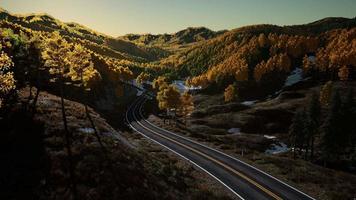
(94,127)
(306,151)
(312,148)
(29,98)
(33,106)
(67,138)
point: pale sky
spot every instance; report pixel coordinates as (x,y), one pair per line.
(119,17)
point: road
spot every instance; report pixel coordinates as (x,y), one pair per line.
(242,179)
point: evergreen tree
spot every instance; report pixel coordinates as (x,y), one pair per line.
(314,111)
(296,132)
(331,130)
(348,112)
(56,54)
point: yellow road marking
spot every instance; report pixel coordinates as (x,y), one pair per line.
(218,162)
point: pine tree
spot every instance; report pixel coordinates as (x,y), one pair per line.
(56,54)
(36,66)
(82,70)
(296,131)
(314,112)
(348,112)
(331,146)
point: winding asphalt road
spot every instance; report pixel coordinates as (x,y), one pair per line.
(242,179)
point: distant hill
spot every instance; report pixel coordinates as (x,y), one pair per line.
(113,47)
(181,39)
(202,56)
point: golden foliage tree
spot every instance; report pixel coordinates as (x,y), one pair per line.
(262,40)
(142,77)
(7,81)
(56,55)
(187,104)
(344,73)
(168,98)
(230,93)
(160,83)
(280,62)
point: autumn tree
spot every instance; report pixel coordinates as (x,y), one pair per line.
(344,73)
(160,83)
(186,105)
(279,63)
(169,98)
(142,77)
(230,93)
(120,75)
(56,53)
(82,70)
(7,81)
(262,40)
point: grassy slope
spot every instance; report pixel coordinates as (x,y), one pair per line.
(124,171)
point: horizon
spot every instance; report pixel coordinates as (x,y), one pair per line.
(129,23)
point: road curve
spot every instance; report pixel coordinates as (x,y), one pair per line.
(242,179)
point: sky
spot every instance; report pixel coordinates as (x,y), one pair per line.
(119,17)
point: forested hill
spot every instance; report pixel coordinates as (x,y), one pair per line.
(181,39)
(93,40)
(255,53)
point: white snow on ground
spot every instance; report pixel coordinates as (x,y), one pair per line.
(45,102)
(312,58)
(86,130)
(139,93)
(294,77)
(277,148)
(270,137)
(180,85)
(248,103)
(234,131)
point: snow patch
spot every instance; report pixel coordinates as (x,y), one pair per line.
(182,87)
(86,130)
(270,137)
(277,148)
(248,103)
(312,58)
(139,93)
(234,131)
(295,76)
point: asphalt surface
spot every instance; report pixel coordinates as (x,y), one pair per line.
(242,179)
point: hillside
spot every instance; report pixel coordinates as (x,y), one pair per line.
(173,42)
(248,55)
(35,162)
(93,40)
